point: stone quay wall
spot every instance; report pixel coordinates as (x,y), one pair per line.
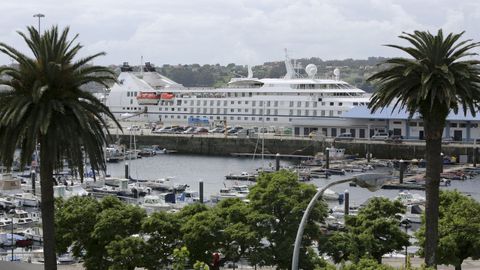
(223,146)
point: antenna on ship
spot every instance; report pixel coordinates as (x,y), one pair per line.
(288,65)
(141,66)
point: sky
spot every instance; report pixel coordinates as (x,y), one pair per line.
(237,31)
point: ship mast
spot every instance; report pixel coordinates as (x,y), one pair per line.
(288,65)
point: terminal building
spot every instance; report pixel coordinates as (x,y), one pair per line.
(361,123)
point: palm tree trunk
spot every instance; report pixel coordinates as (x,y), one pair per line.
(433,134)
(48,222)
(458,267)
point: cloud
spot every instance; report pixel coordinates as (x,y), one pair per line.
(244,32)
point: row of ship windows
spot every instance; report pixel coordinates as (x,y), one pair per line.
(252,111)
(305,104)
(254,103)
(274,119)
(249,94)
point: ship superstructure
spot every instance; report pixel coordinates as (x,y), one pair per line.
(245,101)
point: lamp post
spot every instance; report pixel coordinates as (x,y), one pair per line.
(371,181)
(406,224)
(39,16)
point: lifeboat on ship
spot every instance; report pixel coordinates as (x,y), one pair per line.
(148,98)
(167,96)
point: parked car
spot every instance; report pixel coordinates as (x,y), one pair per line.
(164,130)
(201,130)
(344,137)
(133,128)
(317,135)
(447,140)
(380,136)
(178,130)
(189,130)
(216,130)
(394,139)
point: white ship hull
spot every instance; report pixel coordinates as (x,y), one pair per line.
(245,102)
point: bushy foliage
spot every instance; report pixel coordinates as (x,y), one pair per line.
(373,232)
(459,229)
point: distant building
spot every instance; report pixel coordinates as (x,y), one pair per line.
(361,123)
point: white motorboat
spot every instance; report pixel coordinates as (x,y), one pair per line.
(407,198)
(238,191)
(155,203)
(330,195)
(22,219)
(165,184)
(33,233)
(27,199)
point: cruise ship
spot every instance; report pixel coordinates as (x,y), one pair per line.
(148,96)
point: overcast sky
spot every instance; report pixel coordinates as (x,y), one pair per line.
(237,31)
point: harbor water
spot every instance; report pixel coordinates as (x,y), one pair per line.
(190,169)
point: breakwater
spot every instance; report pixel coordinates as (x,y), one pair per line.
(220,145)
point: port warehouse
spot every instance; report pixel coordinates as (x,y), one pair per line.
(361,123)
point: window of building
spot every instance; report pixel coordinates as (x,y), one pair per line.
(332,103)
(299,103)
(299,112)
(291,104)
(307,104)
(412,124)
(463,125)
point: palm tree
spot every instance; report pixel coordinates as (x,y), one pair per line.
(44,103)
(436,81)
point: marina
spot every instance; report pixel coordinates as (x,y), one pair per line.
(169,182)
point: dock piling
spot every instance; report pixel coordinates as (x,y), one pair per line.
(347,202)
(33,177)
(127,172)
(401,168)
(277,162)
(200,190)
(475,154)
(327,158)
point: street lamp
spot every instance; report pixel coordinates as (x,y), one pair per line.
(406,224)
(39,16)
(370,181)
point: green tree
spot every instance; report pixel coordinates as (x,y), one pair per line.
(223,228)
(127,253)
(162,234)
(45,104)
(278,201)
(180,258)
(433,82)
(459,229)
(96,230)
(367,264)
(372,233)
